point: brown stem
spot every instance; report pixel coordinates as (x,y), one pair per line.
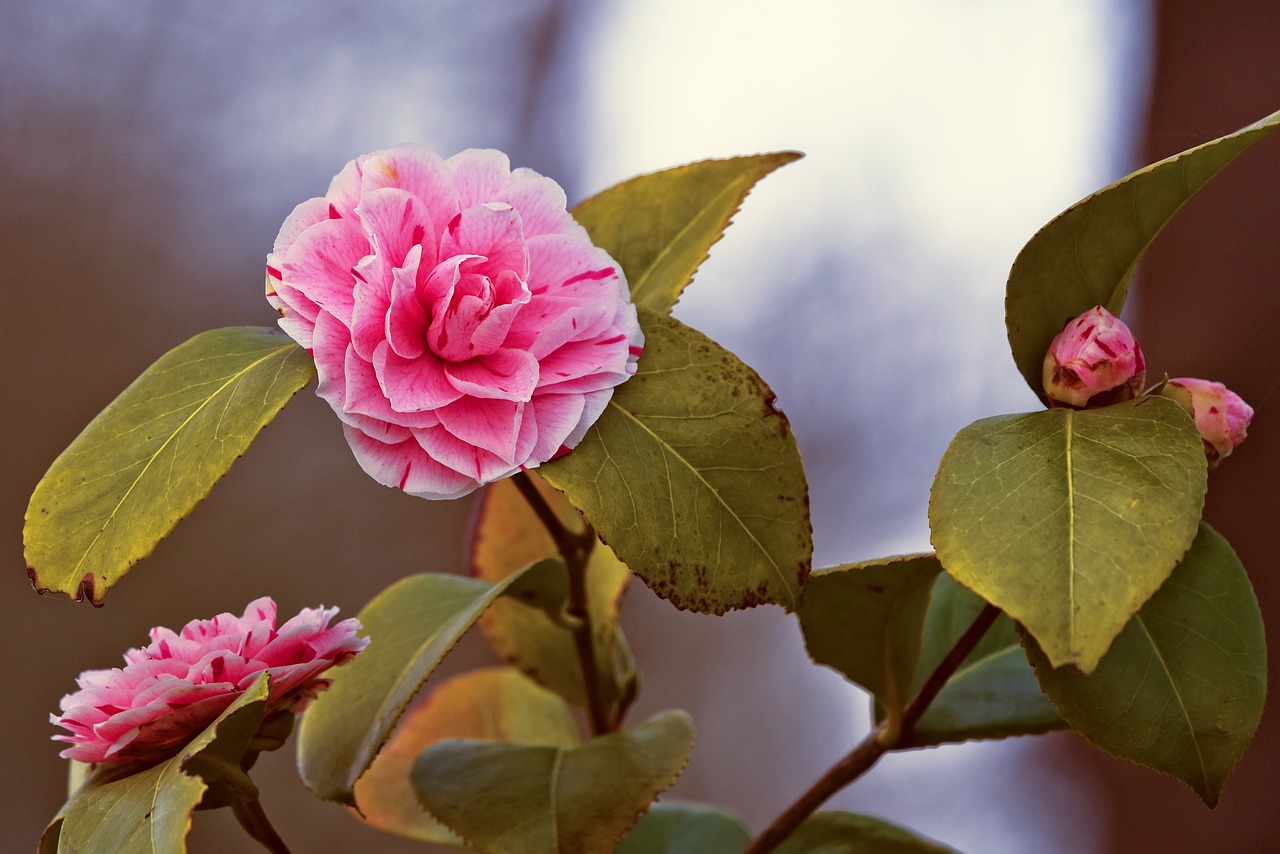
(574,549)
(875,745)
(255,821)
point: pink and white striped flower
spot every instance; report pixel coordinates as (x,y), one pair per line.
(1221,415)
(169,691)
(463,325)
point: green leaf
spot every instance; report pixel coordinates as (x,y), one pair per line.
(1182,688)
(411,625)
(507,536)
(693,478)
(148,458)
(1086,256)
(495,703)
(1068,521)
(993,694)
(519,798)
(673,827)
(660,227)
(150,812)
(865,621)
(846,833)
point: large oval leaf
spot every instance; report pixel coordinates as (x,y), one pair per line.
(508,798)
(846,833)
(153,453)
(411,626)
(495,704)
(661,226)
(507,536)
(1087,254)
(1182,688)
(693,478)
(674,827)
(1068,521)
(993,694)
(865,620)
(150,812)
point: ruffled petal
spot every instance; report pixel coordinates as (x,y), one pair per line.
(413,385)
(320,264)
(541,203)
(493,231)
(493,425)
(417,170)
(480,174)
(406,466)
(509,374)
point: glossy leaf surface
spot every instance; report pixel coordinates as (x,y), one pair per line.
(865,621)
(1182,688)
(685,828)
(506,798)
(846,833)
(693,478)
(1068,521)
(1086,255)
(411,625)
(147,459)
(150,812)
(661,226)
(507,536)
(495,704)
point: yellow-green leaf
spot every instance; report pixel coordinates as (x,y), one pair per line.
(147,459)
(846,833)
(1182,688)
(675,827)
(494,704)
(660,226)
(866,621)
(509,798)
(507,536)
(411,626)
(693,478)
(1086,255)
(1068,521)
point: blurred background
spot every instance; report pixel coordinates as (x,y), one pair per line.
(149,152)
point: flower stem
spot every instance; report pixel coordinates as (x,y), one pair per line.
(251,817)
(882,740)
(574,549)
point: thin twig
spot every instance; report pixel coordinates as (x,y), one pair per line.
(875,745)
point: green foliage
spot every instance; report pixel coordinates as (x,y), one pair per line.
(846,833)
(507,798)
(495,703)
(865,621)
(507,536)
(685,828)
(150,812)
(993,694)
(1087,254)
(148,458)
(1068,521)
(1183,686)
(660,227)
(411,625)
(693,478)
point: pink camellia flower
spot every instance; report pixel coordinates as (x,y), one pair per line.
(1221,416)
(463,325)
(1093,361)
(170,690)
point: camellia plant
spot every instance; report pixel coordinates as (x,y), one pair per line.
(470,332)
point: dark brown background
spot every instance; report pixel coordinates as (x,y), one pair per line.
(116,242)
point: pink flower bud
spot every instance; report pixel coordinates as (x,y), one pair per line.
(1093,361)
(1221,416)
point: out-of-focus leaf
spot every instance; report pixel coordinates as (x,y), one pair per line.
(507,536)
(1086,255)
(150,812)
(495,704)
(1068,521)
(865,620)
(1182,688)
(846,833)
(660,226)
(411,625)
(993,694)
(508,798)
(674,827)
(147,459)
(693,478)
